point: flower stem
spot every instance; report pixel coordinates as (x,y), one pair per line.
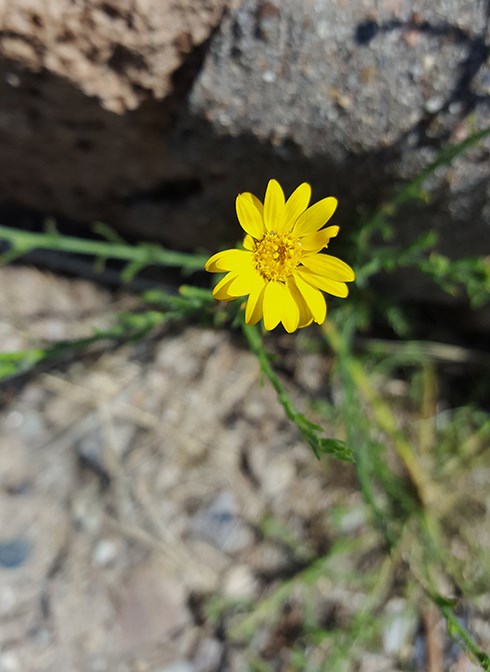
(137,256)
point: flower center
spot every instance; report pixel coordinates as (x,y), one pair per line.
(276,256)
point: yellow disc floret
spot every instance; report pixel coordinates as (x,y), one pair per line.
(276,256)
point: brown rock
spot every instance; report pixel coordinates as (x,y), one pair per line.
(87,93)
(119,51)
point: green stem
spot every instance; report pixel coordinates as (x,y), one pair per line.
(143,254)
(412,189)
(257,347)
(355,379)
(444,158)
(459,633)
(310,432)
(138,326)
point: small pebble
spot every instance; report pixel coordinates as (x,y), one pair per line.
(99,664)
(240,583)
(14,553)
(105,552)
(9,662)
(352,519)
(434,104)
(269,77)
(178,666)
(12,79)
(400,628)
(14,420)
(208,655)
(8,599)
(221,525)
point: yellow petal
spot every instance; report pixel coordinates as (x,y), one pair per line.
(273,304)
(315,217)
(220,292)
(248,243)
(254,309)
(290,311)
(274,207)
(229,260)
(314,242)
(325,284)
(296,204)
(313,297)
(244,283)
(249,217)
(328,266)
(257,202)
(305,317)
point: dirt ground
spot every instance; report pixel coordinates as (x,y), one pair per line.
(143,487)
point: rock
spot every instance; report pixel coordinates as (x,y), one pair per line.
(269,559)
(399,631)
(153,115)
(208,656)
(179,666)
(240,583)
(221,524)
(82,87)
(364,95)
(14,552)
(352,519)
(105,552)
(9,662)
(151,607)
(117,52)
(373,662)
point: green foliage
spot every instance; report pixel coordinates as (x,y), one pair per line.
(310,431)
(469,275)
(451,275)
(137,257)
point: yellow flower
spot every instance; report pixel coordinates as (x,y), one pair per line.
(281,267)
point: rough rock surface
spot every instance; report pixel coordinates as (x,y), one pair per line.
(121,52)
(151,115)
(82,126)
(353,96)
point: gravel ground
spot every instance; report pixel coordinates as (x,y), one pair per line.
(144,489)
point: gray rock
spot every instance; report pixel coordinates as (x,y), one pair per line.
(240,583)
(14,552)
(220,524)
(353,97)
(208,656)
(179,666)
(399,629)
(363,96)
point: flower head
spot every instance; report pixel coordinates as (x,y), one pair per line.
(282,269)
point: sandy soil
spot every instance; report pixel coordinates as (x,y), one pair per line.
(144,487)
